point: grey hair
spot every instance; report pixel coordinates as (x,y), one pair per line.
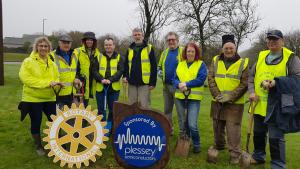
(137,30)
(170,34)
(39,40)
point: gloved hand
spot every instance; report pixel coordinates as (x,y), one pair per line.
(160,74)
(223,98)
(220,96)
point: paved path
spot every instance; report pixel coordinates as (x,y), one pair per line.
(12,63)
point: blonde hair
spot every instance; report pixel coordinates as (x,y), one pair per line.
(39,40)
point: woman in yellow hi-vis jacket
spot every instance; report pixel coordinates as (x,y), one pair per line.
(38,74)
(190,75)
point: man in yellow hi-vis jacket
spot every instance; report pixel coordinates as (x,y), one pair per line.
(276,62)
(166,69)
(107,71)
(140,69)
(66,62)
(228,82)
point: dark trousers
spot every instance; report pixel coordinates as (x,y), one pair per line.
(277,147)
(64,100)
(259,138)
(276,141)
(86,102)
(112,96)
(36,112)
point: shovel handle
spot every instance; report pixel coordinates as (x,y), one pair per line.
(251,112)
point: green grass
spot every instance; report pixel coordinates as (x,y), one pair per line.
(14,57)
(17,149)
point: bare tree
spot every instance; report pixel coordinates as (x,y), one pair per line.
(76,36)
(201,20)
(154,15)
(258,45)
(242,19)
(292,41)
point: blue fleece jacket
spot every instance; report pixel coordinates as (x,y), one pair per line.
(66,55)
(170,65)
(199,81)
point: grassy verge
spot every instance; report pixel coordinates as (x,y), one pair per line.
(14,57)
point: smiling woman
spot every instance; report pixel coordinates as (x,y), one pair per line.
(38,74)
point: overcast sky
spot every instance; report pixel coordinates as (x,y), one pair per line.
(116,16)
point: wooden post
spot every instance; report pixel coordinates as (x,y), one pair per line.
(1,48)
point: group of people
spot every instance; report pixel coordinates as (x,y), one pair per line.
(52,78)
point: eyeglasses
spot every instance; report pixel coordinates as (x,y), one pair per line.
(43,46)
(66,42)
(169,40)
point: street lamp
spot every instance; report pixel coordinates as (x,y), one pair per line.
(44,26)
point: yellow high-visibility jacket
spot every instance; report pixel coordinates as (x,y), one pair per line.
(36,75)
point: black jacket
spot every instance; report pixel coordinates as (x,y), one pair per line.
(284,104)
(134,77)
(115,77)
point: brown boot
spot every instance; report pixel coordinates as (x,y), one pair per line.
(37,141)
(212,155)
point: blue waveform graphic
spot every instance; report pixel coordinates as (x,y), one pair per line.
(136,139)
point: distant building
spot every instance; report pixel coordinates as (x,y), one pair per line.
(14,42)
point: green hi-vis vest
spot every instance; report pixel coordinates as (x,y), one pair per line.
(186,74)
(113,70)
(67,73)
(163,58)
(229,79)
(145,62)
(85,65)
(267,72)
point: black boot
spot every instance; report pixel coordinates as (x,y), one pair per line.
(37,141)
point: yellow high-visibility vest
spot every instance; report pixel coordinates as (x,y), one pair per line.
(113,70)
(163,58)
(145,62)
(186,74)
(85,65)
(229,79)
(267,72)
(67,73)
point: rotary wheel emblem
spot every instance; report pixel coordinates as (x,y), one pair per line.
(75,136)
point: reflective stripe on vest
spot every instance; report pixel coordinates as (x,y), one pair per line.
(113,69)
(163,59)
(268,72)
(145,62)
(229,79)
(85,64)
(186,74)
(67,74)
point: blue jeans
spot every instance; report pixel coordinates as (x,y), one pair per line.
(193,114)
(112,96)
